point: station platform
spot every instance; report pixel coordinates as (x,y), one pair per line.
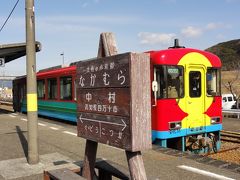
(60,147)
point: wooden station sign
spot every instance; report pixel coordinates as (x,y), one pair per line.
(114,101)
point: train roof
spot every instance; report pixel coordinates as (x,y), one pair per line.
(56,71)
(19,78)
(173,55)
(52,71)
(76,62)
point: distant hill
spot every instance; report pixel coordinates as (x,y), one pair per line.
(229,53)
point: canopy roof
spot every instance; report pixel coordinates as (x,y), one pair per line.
(13,51)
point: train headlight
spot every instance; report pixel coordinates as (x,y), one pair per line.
(175,125)
(215,120)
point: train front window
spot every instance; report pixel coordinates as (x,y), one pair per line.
(170,81)
(195,84)
(41,89)
(52,88)
(66,88)
(213,82)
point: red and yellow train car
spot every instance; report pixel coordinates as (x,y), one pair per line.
(186,97)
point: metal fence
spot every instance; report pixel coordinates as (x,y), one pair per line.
(233,113)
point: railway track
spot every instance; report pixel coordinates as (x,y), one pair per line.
(230,136)
(230,148)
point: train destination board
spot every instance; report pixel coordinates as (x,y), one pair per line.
(114,101)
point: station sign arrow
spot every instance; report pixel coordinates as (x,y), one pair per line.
(123,124)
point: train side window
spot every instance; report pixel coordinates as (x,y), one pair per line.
(170,81)
(213,82)
(52,88)
(195,84)
(75,90)
(66,88)
(162,92)
(24,91)
(175,81)
(41,89)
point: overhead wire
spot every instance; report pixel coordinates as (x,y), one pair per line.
(9,16)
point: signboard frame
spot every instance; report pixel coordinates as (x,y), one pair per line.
(114,101)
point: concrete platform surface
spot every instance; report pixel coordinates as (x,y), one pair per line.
(20,169)
(59,147)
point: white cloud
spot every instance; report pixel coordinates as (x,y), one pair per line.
(221,37)
(231,1)
(213,26)
(191,31)
(14,21)
(156,38)
(88,19)
(84,5)
(49,27)
(54,24)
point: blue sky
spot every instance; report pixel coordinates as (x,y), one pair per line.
(73,26)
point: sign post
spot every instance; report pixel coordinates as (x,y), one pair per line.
(107,47)
(113,95)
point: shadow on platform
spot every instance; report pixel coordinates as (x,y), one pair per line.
(23,140)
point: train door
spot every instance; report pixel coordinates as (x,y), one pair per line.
(195,98)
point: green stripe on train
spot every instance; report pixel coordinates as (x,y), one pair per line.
(64,107)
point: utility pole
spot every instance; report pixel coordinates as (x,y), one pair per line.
(33,156)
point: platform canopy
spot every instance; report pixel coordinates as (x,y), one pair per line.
(13,51)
